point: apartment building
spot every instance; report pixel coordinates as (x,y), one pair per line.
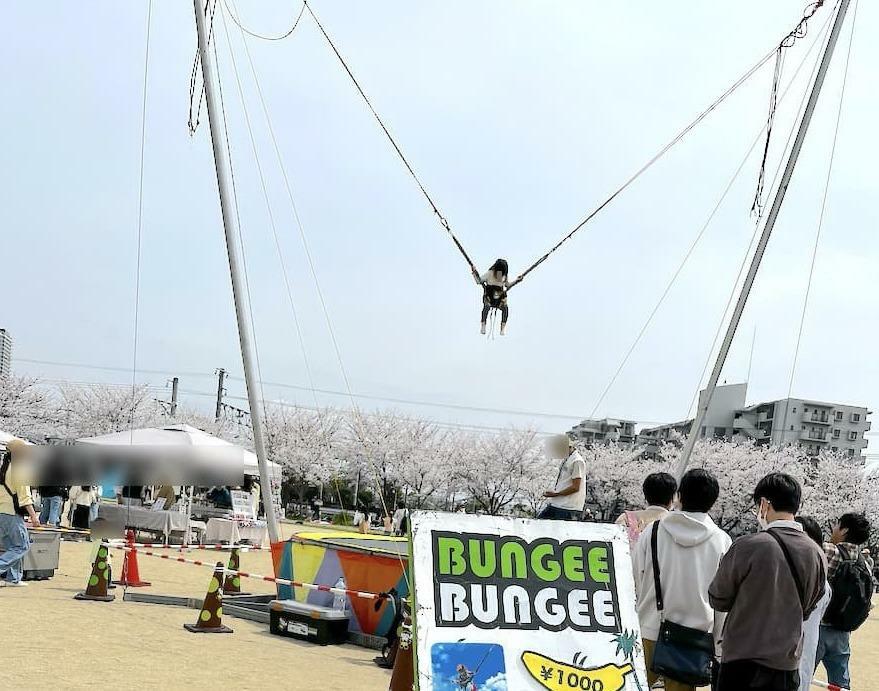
(812,425)
(606,431)
(719,420)
(5,353)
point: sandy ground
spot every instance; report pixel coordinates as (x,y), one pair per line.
(52,640)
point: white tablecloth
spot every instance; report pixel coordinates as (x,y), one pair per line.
(164,522)
(226,530)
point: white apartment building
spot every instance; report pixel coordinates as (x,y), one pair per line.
(606,431)
(812,425)
(719,420)
(5,353)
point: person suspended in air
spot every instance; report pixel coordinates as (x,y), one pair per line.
(495,284)
(464,678)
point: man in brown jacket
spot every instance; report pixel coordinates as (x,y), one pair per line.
(769,583)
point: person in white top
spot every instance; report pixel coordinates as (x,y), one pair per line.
(565,501)
(81,500)
(689,549)
(812,625)
(495,284)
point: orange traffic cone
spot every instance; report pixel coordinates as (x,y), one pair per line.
(99,580)
(232,584)
(130,570)
(210,620)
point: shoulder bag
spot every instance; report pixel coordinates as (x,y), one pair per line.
(682,653)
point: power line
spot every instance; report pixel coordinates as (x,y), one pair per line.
(107,368)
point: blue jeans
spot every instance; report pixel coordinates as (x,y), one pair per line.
(14,544)
(834,651)
(50,512)
(553,513)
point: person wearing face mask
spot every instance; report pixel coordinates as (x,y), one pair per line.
(769,583)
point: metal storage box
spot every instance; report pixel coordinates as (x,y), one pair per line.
(41,559)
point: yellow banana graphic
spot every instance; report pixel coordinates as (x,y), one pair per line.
(558,676)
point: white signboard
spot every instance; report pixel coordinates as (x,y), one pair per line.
(507,604)
(242,504)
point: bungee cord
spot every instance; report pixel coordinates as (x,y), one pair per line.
(705,225)
(233,15)
(798,32)
(433,205)
(808,291)
(791,36)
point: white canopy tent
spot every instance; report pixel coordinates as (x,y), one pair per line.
(186,436)
(178,435)
(5,438)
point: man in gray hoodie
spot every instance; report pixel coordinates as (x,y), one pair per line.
(769,583)
(689,547)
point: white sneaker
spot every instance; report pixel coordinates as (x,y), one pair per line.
(503,329)
(9,584)
(482,330)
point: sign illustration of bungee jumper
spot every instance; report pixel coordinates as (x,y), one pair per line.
(508,604)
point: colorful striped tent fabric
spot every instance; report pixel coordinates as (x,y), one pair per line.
(372,563)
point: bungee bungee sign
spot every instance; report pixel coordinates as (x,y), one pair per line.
(516,604)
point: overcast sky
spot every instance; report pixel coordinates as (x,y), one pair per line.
(520,116)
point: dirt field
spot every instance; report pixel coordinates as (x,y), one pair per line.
(51,640)
(56,641)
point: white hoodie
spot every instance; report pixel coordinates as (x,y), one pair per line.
(690,547)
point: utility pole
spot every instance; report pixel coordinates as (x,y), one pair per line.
(174,382)
(221,379)
(764,238)
(221,166)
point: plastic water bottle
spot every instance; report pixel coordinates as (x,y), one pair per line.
(340,601)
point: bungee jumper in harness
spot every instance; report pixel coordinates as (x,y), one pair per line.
(495,284)
(464,678)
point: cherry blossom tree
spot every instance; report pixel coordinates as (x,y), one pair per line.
(88,411)
(493,470)
(26,408)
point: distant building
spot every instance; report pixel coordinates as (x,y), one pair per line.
(811,425)
(5,353)
(606,431)
(719,420)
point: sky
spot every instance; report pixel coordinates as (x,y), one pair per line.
(520,117)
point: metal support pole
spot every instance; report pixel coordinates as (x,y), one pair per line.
(221,379)
(764,239)
(231,231)
(174,383)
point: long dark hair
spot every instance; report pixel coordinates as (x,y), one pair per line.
(500,266)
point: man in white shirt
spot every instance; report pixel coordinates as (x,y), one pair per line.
(565,501)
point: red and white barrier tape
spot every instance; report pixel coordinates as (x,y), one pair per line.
(245,574)
(824,685)
(180,548)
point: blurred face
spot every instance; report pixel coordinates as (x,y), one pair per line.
(761,511)
(839,534)
(558,448)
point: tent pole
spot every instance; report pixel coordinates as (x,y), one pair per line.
(702,408)
(230,229)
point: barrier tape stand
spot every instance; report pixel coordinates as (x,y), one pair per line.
(245,574)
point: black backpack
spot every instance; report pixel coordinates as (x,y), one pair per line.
(852,585)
